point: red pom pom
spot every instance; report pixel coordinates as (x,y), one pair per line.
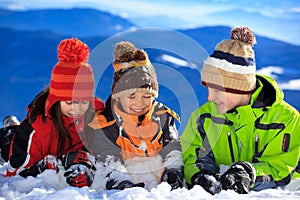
(72,51)
(243,34)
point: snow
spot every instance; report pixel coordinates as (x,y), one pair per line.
(50,185)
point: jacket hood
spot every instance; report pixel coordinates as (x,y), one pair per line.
(268,93)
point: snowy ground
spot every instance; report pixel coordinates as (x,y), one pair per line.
(50,185)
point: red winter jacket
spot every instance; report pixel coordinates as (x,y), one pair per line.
(39,139)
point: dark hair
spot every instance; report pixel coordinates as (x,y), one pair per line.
(37,107)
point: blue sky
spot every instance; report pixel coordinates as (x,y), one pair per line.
(278,19)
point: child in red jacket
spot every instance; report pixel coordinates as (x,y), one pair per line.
(55,120)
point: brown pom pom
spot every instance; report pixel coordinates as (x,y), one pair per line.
(243,34)
(124,52)
(72,51)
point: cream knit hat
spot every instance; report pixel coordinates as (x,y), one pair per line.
(231,67)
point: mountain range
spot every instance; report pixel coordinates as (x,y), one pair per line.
(29,42)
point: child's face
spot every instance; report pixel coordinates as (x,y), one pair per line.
(74,108)
(138,103)
(227,101)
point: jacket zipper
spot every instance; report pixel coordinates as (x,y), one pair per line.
(230,146)
(256,144)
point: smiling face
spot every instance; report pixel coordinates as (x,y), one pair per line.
(74,108)
(226,101)
(138,103)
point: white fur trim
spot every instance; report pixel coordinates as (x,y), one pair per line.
(227,66)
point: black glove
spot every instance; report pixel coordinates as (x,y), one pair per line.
(208,182)
(112,184)
(174,177)
(238,177)
(48,162)
(80,168)
(79,175)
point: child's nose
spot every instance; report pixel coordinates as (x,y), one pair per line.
(209,97)
(76,107)
(139,101)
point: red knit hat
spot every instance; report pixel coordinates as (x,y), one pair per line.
(72,77)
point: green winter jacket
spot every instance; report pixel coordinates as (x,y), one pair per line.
(266,133)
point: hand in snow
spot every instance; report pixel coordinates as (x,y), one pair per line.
(76,157)
(174,177)
(112,184)
(207,182)
(48,162)
(80,168)
(239,177)
(79,175)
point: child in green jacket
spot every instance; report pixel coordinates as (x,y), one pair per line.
(246,136)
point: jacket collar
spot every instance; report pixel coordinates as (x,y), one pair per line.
(267,93)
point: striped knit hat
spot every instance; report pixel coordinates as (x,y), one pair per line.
(231,67)
(133,71)
(72,77)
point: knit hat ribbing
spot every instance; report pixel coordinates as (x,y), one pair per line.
(72,78)
(231,67)
(133,71)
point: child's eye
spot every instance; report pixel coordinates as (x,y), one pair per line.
(84,102)
(148,96)
(131,96)
(69,102)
